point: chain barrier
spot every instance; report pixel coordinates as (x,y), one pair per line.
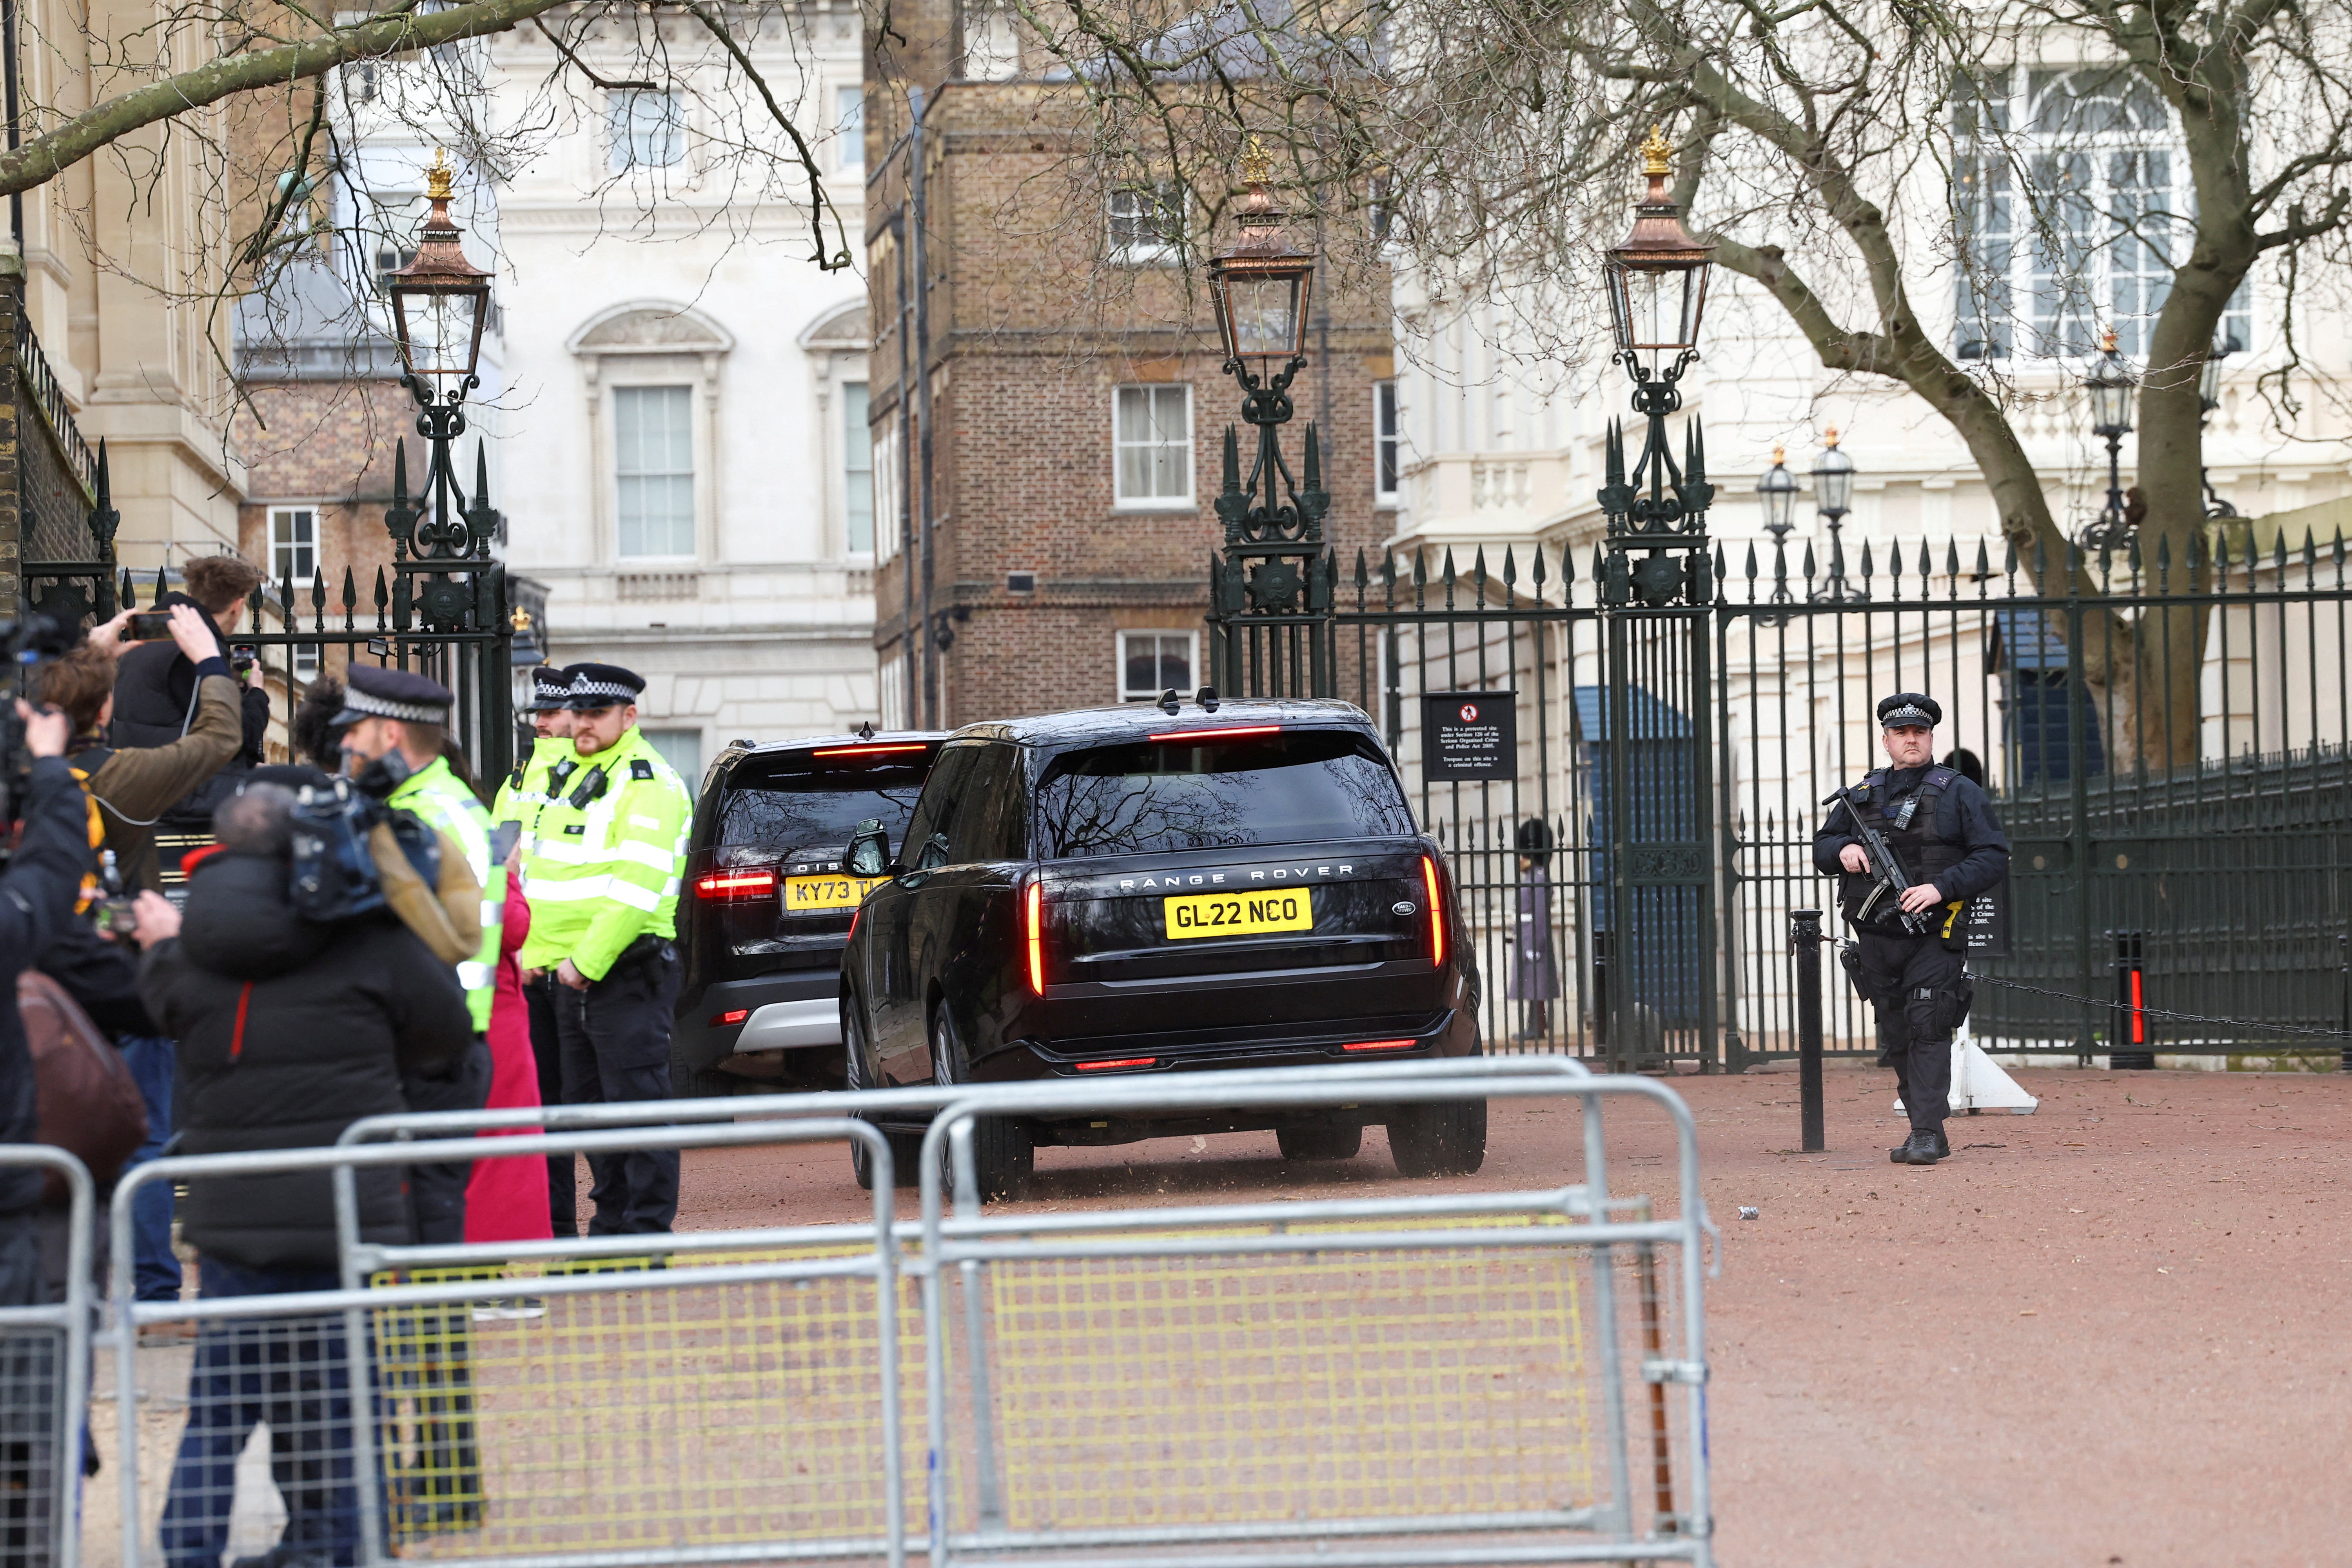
(2111,1004)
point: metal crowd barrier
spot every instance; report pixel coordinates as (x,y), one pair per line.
(45,1378)
(1435,1377)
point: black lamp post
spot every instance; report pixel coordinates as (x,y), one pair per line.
(441,545)
(1276,569)
(1832,498)
(1656,280)
(2111,387)
(2208,398)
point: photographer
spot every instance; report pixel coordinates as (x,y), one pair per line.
(289,1030)
(155,700)
(136,782)
(37,899)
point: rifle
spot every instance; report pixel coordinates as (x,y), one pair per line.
(1887,871)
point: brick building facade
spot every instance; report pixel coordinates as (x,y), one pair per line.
(1077,401)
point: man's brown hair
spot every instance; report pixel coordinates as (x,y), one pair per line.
(79,683)
(219,583)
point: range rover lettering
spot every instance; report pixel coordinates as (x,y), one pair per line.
(769,901)
(1119,891)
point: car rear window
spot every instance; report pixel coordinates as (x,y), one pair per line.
(1152,797)
(800,803)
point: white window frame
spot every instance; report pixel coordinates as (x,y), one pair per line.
(1122,502)
(1387,442)
(890,691)
(1145,243)
(856,430)
(625,132)
(1192,636)
(302,661)
(2032,311)
(693,472)
(888,462)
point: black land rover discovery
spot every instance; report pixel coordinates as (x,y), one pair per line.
(767,905)
(1122,891)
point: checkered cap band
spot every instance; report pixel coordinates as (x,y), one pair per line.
(551,687)
(1909,713)
(610,692)
(366,702)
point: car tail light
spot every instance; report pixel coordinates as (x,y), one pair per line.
(871,751)
(1382,1046)
(737,1015)
(1121,1062)
(1436,913)
(853,922)
(735,884)
(1032,920)
(1235,734)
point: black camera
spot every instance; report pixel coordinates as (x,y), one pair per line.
(26,644)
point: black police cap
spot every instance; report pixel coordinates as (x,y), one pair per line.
(597,685)
(550,688)
(371,691)
(1910,708)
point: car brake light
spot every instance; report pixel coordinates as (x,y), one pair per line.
(870,750)
(1235,733)
(737,1015)
(1034,920)
(1436,913)
(853,922)
(1382,1046)
(1122,1062)
(735,885)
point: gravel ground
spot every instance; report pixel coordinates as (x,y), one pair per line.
(2097,1336)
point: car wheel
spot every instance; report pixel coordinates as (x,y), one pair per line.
(1320,1143)
(905,1148)
(1002,1154)
(1445,1139)
(698,1083)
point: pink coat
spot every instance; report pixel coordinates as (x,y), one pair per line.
(507,1199)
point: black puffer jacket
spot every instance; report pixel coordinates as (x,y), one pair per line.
(331,1017)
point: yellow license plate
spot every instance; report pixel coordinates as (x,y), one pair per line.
(1238,914)
(827,892)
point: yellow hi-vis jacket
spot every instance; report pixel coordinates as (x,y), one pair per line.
(604,871)
(434,793)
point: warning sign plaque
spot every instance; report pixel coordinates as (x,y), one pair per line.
(1469,735)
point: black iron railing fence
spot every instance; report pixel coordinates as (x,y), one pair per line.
(2164,737)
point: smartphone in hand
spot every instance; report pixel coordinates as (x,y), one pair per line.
(149,626)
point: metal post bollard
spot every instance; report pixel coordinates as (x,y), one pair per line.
(1805,940)
(2131,1023)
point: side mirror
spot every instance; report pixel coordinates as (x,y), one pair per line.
(869,849)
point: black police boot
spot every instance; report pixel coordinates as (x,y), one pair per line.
(1943,1145)
(1922,1150)
(1901,1153)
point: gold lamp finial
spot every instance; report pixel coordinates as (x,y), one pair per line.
(1830,437)
(1779,454)
(521,621)
(2107,340)
(1657,152)
(1257,163)
(437,177)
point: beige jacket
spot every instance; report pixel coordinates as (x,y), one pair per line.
(135,787)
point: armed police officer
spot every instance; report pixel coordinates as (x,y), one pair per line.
(392,723)
(1905,959)
(602,869)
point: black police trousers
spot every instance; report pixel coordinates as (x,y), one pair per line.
(547,1050)
(615,1037)
(437,1194)
(1919,992)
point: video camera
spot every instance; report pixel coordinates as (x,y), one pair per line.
(26,644)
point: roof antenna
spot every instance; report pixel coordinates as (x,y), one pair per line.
(1168,702)
(865,731)
(1207,698)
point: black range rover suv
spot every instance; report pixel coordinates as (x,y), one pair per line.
(1122,891)
(766,904)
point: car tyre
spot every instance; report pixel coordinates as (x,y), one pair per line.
(1003,1155)
(905,1148)
(698,1083)
(1447,1138)
(1324,1142)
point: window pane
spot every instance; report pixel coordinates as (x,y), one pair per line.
(645,130)
(681,748)
(1141,678)
(652,444)
(1176,663)
(857,468)
(849,126)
